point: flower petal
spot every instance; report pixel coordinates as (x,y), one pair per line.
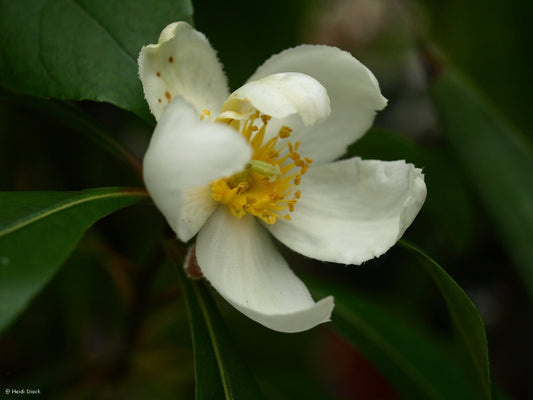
(186,154)
(352,89)
(182,63)
(352,210)
(282,95)
(239,259)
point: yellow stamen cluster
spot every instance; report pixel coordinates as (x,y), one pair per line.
(265,188)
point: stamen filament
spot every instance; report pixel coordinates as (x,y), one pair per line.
(265,188)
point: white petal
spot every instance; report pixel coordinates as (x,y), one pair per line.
(282,95)
(184,156)
(352,210)
(182,63)
(239,259)
(352,89)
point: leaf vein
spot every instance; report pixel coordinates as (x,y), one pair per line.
(213,342)
(105,30)
(40,44)
(32,218)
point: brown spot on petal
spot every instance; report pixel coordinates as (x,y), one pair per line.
(168,96)
(158,74)
(159,100)
(171,59)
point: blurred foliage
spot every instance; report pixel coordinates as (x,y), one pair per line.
(246,33)
(499,161)
(489,41)
(112,323)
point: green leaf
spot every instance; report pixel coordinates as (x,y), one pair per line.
(498,160)
(82,49)
(411,360)
(466,322)
(38,231)
(220,373)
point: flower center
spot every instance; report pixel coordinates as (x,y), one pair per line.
(266,187)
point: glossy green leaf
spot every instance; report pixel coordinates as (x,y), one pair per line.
(466,321)
(220,373)
(410,359)
(82,49)
(38,231)
(498,161)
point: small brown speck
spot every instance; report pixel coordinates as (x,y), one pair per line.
(158,74)
(168,96)
(171,59)
(159,100)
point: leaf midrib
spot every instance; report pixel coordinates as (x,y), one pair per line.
(63,205)
(214,342)
(461,328)
(104,29)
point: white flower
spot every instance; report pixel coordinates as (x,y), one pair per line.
(234,168)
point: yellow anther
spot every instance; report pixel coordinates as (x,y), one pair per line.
(242,187)
(274,196)
(265,187)
(294,155)
(265,118)
(284,132)
(269,219)
(205,113)
(291,204)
